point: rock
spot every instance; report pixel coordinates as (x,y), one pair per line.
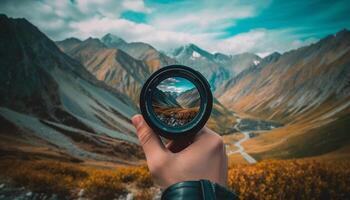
(130,196)
(158,194)
(28,194)
(81,193)
(2,186)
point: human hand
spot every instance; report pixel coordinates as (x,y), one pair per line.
(202,158)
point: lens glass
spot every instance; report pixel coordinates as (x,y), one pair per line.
(176,101)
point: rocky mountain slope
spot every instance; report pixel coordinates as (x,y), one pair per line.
(139,50)
(296,84)
(189,98)
(52,104)
(163,99)
(308,90)
(113,66)
(218,67)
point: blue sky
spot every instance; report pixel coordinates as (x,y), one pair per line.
(175,84)
(228,26)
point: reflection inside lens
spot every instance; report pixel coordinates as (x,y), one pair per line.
(176,101)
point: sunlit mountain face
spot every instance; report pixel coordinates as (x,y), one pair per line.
(71,73)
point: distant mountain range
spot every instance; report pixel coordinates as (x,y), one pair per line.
(217,67)
(164,99)
(124,72)
(189,98)
(74,99)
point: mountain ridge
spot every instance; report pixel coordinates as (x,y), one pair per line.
(153,58)
(314,73)
(55,103)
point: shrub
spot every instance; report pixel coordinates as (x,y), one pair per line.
(103,185)
(291,179)
(144,195)
(43,176)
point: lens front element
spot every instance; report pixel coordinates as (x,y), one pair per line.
(176,101)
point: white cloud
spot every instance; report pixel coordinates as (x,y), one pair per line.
(261,42)
(167,27)
(199,21)
(162,39)
(136,5)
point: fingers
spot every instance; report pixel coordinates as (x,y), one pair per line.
(150,142)
(205,140)
(178,145)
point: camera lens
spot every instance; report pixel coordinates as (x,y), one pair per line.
(176,101)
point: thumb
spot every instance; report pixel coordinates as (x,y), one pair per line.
(150,142)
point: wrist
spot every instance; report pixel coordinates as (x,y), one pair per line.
(197,190)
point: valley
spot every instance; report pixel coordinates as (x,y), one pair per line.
(66,108)
(249,129)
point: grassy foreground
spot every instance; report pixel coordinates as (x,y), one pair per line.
(272,179)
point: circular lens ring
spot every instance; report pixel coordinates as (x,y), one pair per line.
(206,101)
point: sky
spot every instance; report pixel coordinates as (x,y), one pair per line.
(227,26)
(175,84)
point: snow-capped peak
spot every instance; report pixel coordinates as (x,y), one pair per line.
(195,54)
(256,62)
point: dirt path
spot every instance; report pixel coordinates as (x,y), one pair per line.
(240,150)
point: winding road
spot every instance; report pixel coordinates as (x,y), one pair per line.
(240,150)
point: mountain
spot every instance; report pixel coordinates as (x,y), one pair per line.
(239,62)
(139,50)
(218,67)
(189,98)
(113,66)
(163,99)
(308,90)
(251,69)
(51,106)
(288,86)
(68,44)
(127,74)
(203,61)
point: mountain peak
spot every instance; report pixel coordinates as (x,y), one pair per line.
(94,42)
(72,39)
(191,50)
(273,57)
(112,40)
(191,45)
(274,54)
(343,33)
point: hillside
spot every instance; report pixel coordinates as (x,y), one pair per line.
(112,66)
(308,90)
(288,87)
(51,106)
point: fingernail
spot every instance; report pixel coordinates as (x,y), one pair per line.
(136,120)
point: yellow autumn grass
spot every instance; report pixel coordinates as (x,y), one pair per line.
(271,179)
(291,179)
(66,179)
